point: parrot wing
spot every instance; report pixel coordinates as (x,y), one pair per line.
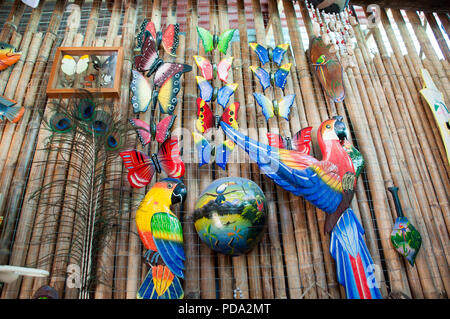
(301,174)
(168,238)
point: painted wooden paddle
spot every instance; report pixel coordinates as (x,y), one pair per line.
(405,237)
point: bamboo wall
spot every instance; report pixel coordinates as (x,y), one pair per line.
(390,123)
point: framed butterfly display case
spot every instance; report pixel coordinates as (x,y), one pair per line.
(95,69)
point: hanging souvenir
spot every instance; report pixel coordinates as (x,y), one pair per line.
(46,292)
(270,108)
(162,235)
(268,54)
(330,6)
(141,167)
(210,71)
(266,78)
(230,215)
(213,41)
(405,237)
(106,67)
(327,69)
(86,128)
(10,274)
(209,93)
(301,142)
(329,185)
(167,75)
(159,132)
(169,38)
(435,100)
(72,66)
(8,55)
(207,121)
(9,111)
(31,3)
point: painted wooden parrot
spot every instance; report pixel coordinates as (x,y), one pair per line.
(161,233)
(329,185)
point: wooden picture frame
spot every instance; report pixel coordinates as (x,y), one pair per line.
(114,92)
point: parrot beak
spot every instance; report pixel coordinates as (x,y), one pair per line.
(179,194)
(340,128)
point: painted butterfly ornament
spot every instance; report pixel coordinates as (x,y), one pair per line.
(206,121)
(266,55)
(209,93)
(141,168)
(166,79)
(213,41)
(270,108)
(300,142)
(159,132)
(266,78)
(210,71)
(169,38)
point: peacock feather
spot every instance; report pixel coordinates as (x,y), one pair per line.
(87,137)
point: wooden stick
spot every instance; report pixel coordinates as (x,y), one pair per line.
(422,109)
(12,21)
(18,255)
(440,37)
(191,247)
(24,48)
(427,48)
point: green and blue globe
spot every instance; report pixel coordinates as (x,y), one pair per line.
(230,215)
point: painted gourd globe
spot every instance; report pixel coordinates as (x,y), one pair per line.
(230,215)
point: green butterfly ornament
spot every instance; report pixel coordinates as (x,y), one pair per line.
(405,237)
(213,41)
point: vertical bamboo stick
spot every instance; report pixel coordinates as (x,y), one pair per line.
(24,48)
(255,281)
(18,254)
(427,48)
(440,37)
(192,264)
(12,21)
(422,108)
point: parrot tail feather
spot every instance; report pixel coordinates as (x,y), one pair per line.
(354,266)
(160,283)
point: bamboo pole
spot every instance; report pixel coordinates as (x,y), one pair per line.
(11,23)
(8,164)
(121,106)
(24,48)
(256,277)
(22,234)
(282,218)
(192,248)
(135,267)
(427,48)
(433,169)
(219,18)
(242,170)
(422,264)
(303,243)
(329,264)
(422,109)
(440,37)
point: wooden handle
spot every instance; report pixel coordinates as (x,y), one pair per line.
(398,206)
